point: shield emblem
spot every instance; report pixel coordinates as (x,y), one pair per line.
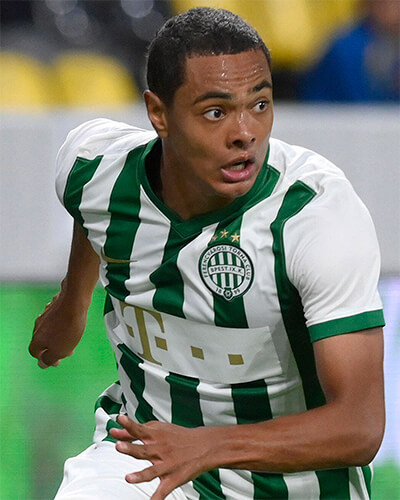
(226,270)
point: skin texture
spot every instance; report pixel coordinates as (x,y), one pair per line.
(223,114)
(219,116)
(59,329)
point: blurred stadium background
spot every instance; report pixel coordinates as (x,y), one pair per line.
(65,61)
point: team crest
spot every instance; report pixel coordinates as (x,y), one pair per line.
(226,270)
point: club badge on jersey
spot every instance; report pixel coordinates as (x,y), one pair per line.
(226,270)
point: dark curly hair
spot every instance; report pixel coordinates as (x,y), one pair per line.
(199,31)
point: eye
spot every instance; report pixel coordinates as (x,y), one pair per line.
(261,106)
(214,114)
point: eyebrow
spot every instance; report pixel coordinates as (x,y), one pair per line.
(224,95)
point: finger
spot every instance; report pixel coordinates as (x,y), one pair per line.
(121,434)
(35,348)
(46,359)
(136,430)
(164,489)
(142,476)
(134,450)
(42,365)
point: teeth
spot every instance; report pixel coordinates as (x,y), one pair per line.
(238,166)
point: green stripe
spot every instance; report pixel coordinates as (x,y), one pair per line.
(228,313)
(251,404)
(124,208)
(208,486)
(167,279)
(362,321)
(267,179)
(367,473)
(296,198)
(185,401)
(186,411)
(108,405)
(130,363)
(333,484)
(80,174)
(108,306)
(111,424)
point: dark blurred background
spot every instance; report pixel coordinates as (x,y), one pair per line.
(334,50)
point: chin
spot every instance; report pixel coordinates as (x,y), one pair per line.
(235,191)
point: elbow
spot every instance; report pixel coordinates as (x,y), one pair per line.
(371,448)
(366,445)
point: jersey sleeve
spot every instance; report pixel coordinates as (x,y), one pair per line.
(84,149)
(79,142)
(333,260)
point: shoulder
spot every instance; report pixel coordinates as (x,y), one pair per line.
(329,210)
(99,138)
(102,136)
(298,164)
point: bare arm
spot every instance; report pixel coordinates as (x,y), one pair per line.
(60,328)
(346,431)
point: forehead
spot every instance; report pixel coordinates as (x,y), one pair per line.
(226,72)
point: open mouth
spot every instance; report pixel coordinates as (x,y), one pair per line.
(240,165)
(239,170)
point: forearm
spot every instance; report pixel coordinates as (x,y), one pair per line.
(59,329)
(344,432)
(323,438)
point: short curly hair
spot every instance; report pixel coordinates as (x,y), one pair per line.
(198,31)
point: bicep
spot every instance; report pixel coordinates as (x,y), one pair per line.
(83,266)
(350,370)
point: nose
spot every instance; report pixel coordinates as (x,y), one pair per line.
(241,134)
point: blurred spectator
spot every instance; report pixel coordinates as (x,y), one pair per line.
(363,63)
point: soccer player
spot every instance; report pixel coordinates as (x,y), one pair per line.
(241,276)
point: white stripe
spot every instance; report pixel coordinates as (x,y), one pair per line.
(147,252)
(101,419)
(236,484)
(358,488)
(189,492)
(302,486)
(223,277)
(285,393)
(217,408)
(258,244)
(198,300)
(113,392)
(95,201)
(131,400)
(157,392)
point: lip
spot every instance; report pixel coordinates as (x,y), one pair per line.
(239,175)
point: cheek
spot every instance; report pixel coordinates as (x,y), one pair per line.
(200,146)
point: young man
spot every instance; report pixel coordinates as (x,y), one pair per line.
(241,278)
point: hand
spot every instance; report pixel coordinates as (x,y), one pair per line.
(178,454)
(57,331)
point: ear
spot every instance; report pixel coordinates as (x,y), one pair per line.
(156,111)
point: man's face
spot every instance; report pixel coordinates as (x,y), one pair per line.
(218,126)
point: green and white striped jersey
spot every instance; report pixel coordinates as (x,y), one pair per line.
(212,319)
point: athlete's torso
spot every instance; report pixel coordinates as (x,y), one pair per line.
(209,317)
